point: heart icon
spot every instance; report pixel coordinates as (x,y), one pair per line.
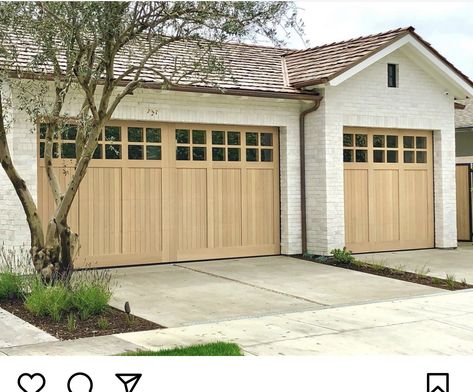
(31,382)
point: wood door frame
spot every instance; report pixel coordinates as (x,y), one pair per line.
(470,220)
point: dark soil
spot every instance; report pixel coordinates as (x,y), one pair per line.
(394,274)
(117,322)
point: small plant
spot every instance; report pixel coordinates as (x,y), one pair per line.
(342,256)
(71,322)
(401,268)
(11,285)
(358,263)
(90,298)
(129,320)
(450,281)
(103,323)
(378,265)
(436,281)
(423,271)
(46,300)
(464,282)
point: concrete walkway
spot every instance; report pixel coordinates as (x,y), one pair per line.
(207,292)
(437,324)
(434,262)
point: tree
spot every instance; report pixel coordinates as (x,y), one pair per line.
(104,51)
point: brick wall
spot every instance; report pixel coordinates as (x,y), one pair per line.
(365,100)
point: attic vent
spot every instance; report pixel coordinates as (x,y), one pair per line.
(393,75)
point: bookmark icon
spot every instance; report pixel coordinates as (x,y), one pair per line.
(129,380)
(437,382)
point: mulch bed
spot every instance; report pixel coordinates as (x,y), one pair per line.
(393,273)
(117,322)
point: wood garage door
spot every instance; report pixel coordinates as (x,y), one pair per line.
(463,181)
(172,192)
(388,189)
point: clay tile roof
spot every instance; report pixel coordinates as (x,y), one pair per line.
(319,64)
(464,117)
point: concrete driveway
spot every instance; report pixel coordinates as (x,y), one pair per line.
(434,262)
(202,292)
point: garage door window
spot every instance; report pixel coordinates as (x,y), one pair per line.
(191,145)
(415,149)
(355,147)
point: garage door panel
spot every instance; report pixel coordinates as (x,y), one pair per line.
(260,219)
(191,200)
(388,172)
(384,206)
(100,218)
(416,208)
(356,206)
(227,208)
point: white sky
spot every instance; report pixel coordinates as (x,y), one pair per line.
(448,26)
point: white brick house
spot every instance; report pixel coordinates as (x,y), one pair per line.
(379,160)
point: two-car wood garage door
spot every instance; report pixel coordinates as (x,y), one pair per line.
(388,189)
(172,192)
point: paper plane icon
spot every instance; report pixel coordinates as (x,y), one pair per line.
(129,380)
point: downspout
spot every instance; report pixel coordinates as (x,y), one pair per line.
(302,116)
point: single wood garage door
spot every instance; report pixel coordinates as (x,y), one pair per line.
(388,189)
(172,192)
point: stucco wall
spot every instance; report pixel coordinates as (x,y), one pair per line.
(365,100)
(156,105)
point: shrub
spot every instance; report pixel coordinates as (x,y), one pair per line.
(46,300)
(342,256)
(11,285)
(90,298)
(103,323)
(71,322)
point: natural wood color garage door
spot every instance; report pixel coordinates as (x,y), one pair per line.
(463,202)
(160,192)
(388,189)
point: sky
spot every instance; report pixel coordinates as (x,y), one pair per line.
(448,26)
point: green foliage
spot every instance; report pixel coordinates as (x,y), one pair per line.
(377,265)
(342,256)
(450,281)
(211,349)
(49,301)
(11,285)
(71,322)
(103,323)
(90,299)
(423,271)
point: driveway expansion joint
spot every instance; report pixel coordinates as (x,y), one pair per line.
(251,285)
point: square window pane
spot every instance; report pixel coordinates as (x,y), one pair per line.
(391,141)
(135,152)
(347,155)
(252,154)
(183,153)
(378,156)
(421,142)
(55,150)
(113,134)
(182,136)
(68,150)
(266,155)
(98,152)
(198,137)
(218,154)
(135,134)
(113,151)
(153,135)
(218,137)
(69,132)
(378,140)
(392,156)
(233,154)
(361,140)
(266,139)
(361,155)
(233,138)
(199,153)
(42,130)
(408,156)
(41,150)
(408,141)
(347,140)
(421,157)
(153,153)
(251,139)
